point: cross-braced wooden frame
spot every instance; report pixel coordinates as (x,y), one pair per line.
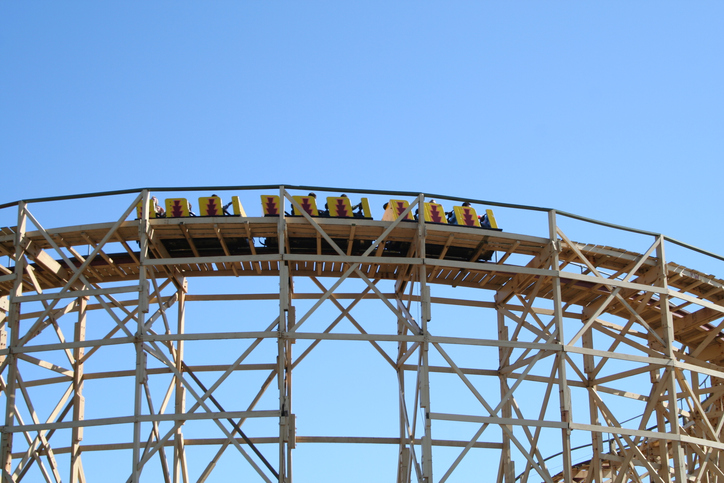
(568,342)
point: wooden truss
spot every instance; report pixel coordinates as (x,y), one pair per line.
(586,363)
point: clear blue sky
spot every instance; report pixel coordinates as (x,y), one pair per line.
(610,110)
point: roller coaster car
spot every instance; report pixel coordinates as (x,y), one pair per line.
(341,207)
(308,204)
(466,216)
(336,207)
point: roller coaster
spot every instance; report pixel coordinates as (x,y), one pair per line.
(159,344)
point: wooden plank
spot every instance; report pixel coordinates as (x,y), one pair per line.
(225,248)
(143,418)
(498,420)
(78,293)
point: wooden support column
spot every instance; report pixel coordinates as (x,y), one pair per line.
(283,364)
(4,309)
(564,394)
(76,468)
(180,469)
(13,324)
(425,369)
(141,375)
(667,325)
(290,431)
(717,406)
(507,465)
(589,367)
(404,451)
(663,449)
(691,457)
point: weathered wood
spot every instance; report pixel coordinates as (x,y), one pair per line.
(670,324)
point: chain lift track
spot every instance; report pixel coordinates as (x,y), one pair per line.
(570,341)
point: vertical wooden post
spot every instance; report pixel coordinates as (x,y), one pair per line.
(507,465)
(692,458)
(284,477)
(718,407)
(404,455)
(663,450)
(180,470)
(596,441)
(76,475)
(6,440)
(140,378)
(564,395)
(667,325)
(425,372)
(4,309)
(290,433)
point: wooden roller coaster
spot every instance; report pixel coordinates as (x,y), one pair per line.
(556,360)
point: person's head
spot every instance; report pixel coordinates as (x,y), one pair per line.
(466,204)
(343,195)
(312,195)
(385,206)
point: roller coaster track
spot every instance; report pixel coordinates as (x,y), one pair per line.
(596,332)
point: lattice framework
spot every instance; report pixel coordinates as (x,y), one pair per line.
(572,322)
